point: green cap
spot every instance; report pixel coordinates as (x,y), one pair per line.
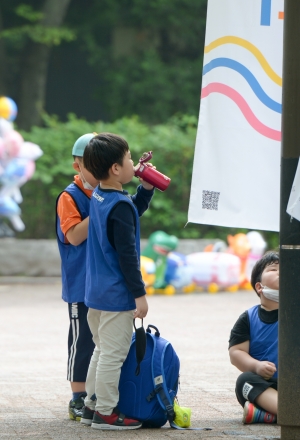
(81,143)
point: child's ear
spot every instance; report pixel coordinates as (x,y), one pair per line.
(76,167)
(258,288)
(115,169)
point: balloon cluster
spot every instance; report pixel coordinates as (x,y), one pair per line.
(16,164)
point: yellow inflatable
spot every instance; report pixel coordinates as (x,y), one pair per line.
(148,271)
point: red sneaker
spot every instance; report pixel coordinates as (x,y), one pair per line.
(115,421)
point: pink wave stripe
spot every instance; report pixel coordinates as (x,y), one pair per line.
(244,107)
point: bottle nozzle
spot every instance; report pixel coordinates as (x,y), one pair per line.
(145,157)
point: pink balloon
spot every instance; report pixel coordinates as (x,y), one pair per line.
(30,169)
(13,141)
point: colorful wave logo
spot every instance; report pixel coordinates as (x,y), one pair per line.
(217,87)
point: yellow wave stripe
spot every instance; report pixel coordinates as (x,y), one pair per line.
(230,39)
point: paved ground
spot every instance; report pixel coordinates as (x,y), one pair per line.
(34,393)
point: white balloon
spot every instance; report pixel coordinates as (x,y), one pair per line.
(30,151)
(5,127)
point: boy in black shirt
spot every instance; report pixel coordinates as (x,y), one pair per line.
(253,345)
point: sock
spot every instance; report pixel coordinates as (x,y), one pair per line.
(77,395)
(256,415)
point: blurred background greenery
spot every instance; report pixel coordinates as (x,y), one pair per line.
(132,67)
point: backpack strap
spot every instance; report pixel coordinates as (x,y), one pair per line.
(158,375)
(166,403)
(173,425)
(140,345)
(160,389)
(160,384)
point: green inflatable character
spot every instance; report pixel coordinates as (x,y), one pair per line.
(159,245)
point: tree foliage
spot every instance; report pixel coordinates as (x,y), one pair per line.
(35,30)
(144,58)
(27,33)
(155,70)
(172,145)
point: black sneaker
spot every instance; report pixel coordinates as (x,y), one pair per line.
(76,407)
(116,421)
(87,415)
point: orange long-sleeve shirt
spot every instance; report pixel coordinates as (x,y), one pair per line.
(67,210)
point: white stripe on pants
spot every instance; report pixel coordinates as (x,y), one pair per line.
(73,350)
(112,333)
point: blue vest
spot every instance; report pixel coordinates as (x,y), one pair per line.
(105,284)
(263,339)
(73,258)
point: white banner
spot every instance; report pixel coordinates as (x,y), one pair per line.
(236,173)
(293,207)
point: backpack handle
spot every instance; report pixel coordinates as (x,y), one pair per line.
(142,324)
(155,328)
(140,345)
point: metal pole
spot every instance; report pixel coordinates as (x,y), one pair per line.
(289,308)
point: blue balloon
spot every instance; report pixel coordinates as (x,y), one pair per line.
(9,207)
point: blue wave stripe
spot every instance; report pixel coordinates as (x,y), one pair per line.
(249,77)
(265,19)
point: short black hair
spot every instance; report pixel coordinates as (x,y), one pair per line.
(267,259)
(102,152)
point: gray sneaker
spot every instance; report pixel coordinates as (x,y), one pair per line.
(76,407)
(87,415)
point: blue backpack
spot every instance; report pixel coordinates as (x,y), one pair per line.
(149,380)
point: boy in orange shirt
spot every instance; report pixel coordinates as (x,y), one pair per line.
(72,220)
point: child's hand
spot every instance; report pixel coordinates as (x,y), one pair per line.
(141,307)
(266,369)
(147,185)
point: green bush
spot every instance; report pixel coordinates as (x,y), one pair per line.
(172,144)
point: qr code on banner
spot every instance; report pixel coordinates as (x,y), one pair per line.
(210,200)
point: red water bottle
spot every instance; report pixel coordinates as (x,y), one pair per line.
(151,175)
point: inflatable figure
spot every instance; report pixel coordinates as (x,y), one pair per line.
(215,271)
(257,249)
(179,273)
(159,245)
(217,268)
(219,246)
(16,165)
(248,247)
(239,245)
(148,270)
